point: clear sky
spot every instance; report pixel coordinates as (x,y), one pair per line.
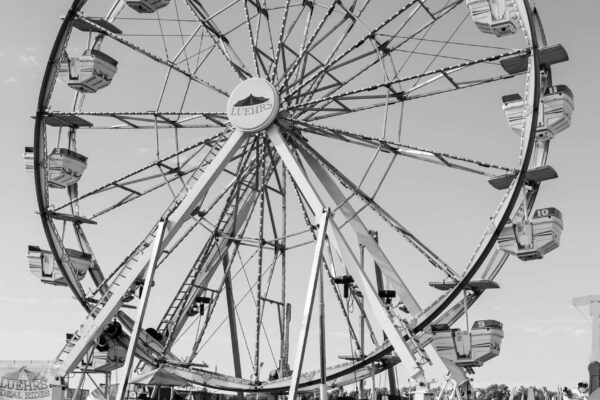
(547,341)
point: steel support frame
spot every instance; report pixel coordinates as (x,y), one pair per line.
(411,364)
(92,327)
(380,287)
(363,236)
(235,347)
(141,308)
(316,269)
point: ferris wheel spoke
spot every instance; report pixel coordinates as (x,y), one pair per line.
(385,50)
(404,96)
(355,19)
(387,146)
(251,36)
(381,50)
(219,38)
(178,170)
(318,163)
(149,120)
(306,44)
(316,203)
(278,47)
(298,68)
(297,61)
(388,84)
(168,63)
(325,111)
(317,72)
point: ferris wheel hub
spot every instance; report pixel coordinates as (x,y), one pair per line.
(253,105)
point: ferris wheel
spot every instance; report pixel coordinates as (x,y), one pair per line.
(206,172)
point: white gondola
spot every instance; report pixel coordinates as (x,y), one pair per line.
(43,265)
(556,110)
(89,73)
(147,6)
(65,167)
(497,17)
(486,339)
(531,240)
(469,349)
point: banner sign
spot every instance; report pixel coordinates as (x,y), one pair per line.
(24,380)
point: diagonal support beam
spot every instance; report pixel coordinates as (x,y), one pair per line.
(141,308)
(308,305)
(409,361)
(113,300)
(235,347)
(363,236)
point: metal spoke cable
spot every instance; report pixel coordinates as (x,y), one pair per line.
(443,47)
(440,13)
(391,146)
(220,137)
(354,18)
(274,65)
(251,36)
(483,46)
(431,257)
(148,54)
(305,47)
(411,77)
(332,61)
(219,39)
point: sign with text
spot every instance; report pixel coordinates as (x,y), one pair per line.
(24,380)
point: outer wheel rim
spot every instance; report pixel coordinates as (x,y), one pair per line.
(39,135)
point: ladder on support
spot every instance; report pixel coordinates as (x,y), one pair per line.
(225,225)
(238,202)
(112,292)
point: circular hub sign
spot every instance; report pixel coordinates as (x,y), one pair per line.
(253,105)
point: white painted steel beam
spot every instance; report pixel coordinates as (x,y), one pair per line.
(141,308)
(343,248)
(316,268)
(93,325)
(363,236)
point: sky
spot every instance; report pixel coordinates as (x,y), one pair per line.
(547,340)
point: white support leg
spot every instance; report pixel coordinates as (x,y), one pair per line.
(141,309)
(363,236)
(343,248)
(322,348)
(308,304)
(94,325)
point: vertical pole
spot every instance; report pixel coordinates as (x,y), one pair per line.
(107,384)
(77,393)
(235,347)
(141,308)
(373,395)
(466,307)
(283,363)
(361,383)
(308,303)
(260,187)
(594,366)
(380,286)
(323,386)
(595,314)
